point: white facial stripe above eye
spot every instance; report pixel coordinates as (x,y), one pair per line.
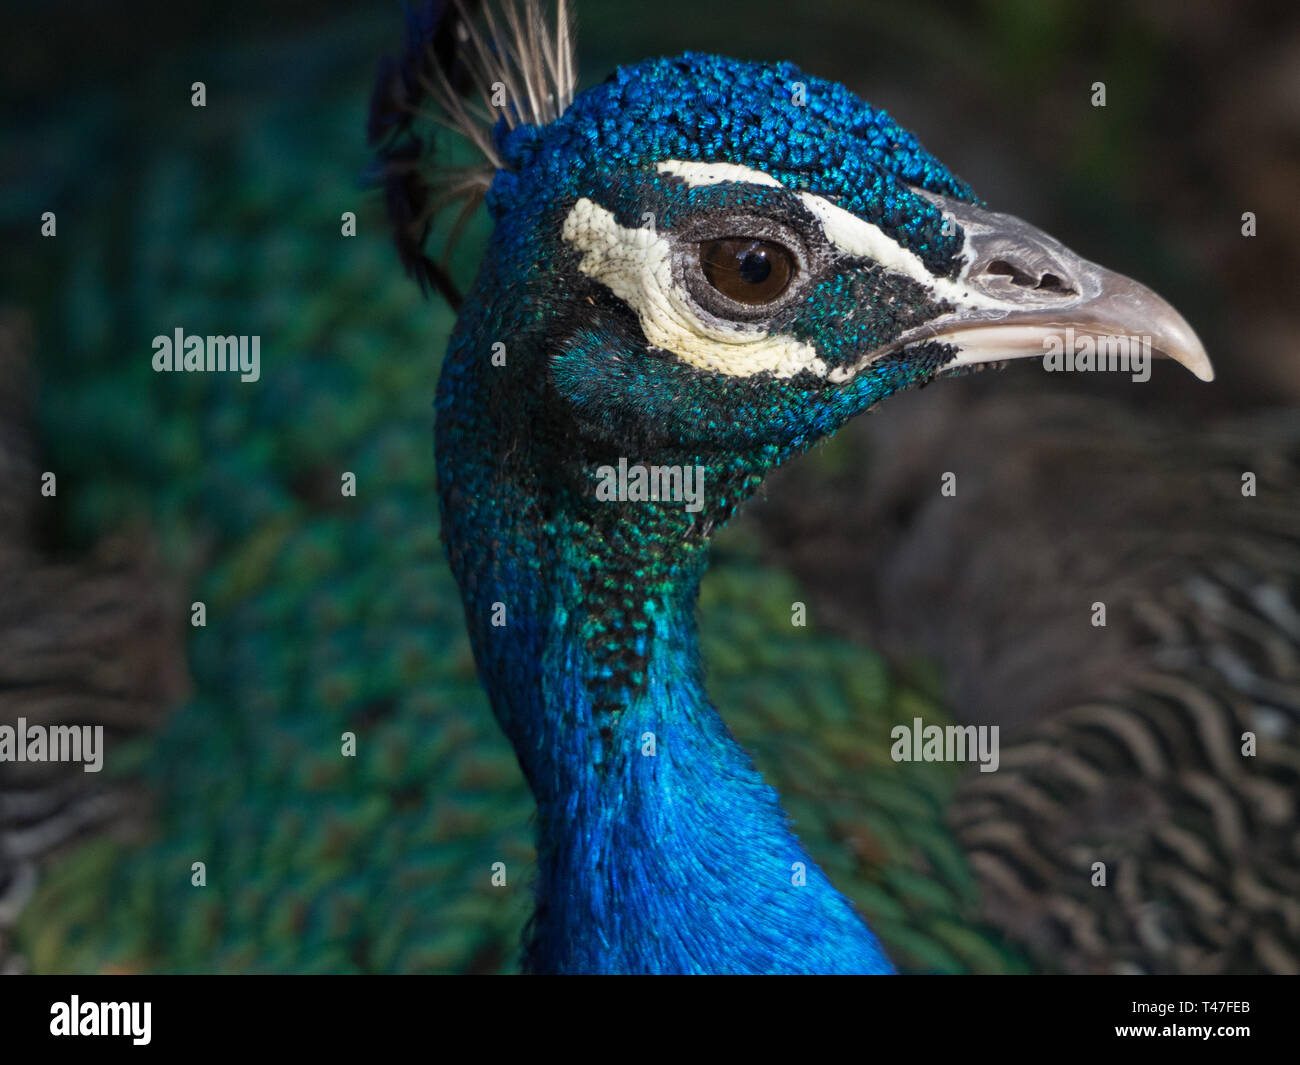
(635,264)
(699,174)
(845,230)
(854,236)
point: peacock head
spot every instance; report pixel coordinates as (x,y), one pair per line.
(702,256)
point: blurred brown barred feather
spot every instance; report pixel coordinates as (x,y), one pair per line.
(89,641)
(1120,744)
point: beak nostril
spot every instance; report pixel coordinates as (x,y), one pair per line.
(1045,283)
(1052,283)
(1006,269)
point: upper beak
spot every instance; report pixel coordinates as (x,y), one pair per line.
(1022,287)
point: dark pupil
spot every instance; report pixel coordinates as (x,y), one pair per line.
(754,266)
(746,270)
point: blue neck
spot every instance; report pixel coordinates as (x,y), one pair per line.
(662,850)
(660,847)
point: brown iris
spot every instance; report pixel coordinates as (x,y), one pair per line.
(747,270)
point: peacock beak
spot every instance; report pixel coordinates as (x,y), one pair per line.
(1024,294)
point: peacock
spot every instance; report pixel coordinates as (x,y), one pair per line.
(329,615)
(699,265)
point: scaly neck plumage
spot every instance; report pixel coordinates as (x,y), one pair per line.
(660,847)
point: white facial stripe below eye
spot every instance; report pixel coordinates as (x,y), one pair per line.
(636,265)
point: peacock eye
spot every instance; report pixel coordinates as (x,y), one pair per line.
(747,270)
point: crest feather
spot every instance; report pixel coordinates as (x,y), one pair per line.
(467,65)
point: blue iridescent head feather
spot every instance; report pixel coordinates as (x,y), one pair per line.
(811,134)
